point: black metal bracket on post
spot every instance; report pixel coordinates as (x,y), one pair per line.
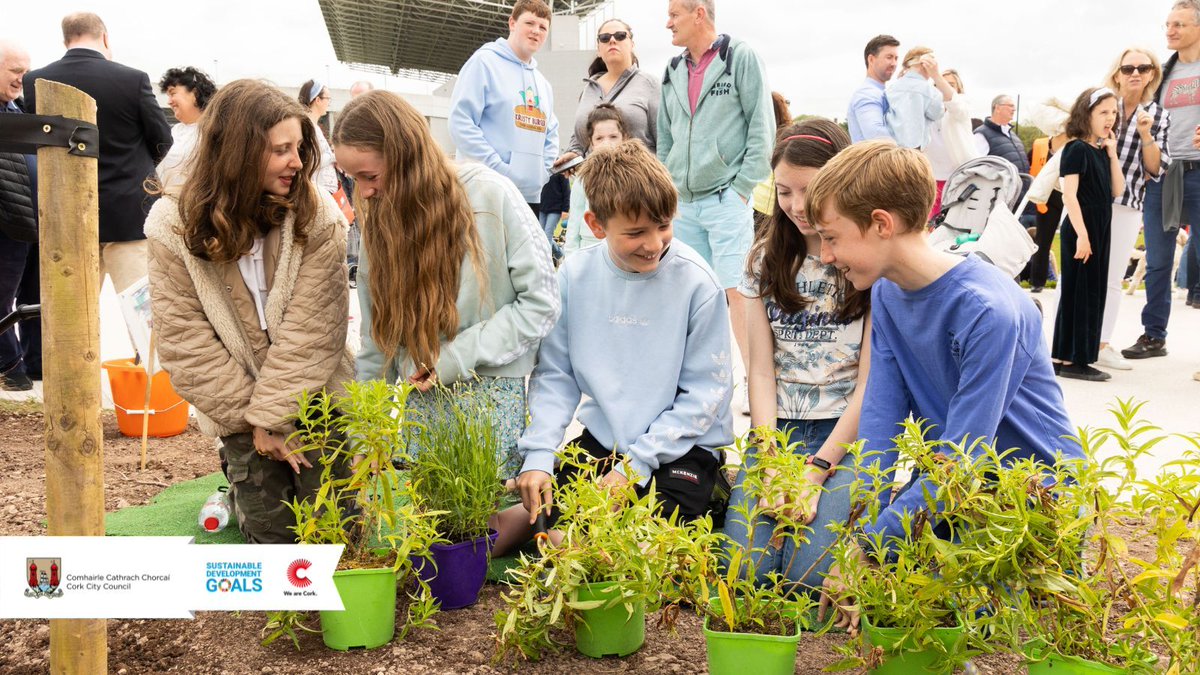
(26,133)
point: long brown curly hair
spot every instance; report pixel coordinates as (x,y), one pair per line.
(223,205)
(419,228)
(780,245)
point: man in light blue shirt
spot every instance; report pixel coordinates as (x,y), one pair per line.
(868,105)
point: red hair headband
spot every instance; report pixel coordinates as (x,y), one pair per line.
(797,137)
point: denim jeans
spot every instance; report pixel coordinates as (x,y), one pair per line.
(1188,275)
(1160,250)
(30,293)
(549,221)
(834,507)
(13,254)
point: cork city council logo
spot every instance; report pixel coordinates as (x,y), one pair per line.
(44,576)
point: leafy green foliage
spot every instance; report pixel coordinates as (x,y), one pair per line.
(608,535)
(1160,614)
(743,603)
(1007,553)
(457,470)
(363,502)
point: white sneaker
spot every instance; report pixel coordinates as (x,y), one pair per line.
(1109,358)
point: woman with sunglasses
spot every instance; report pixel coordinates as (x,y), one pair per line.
(614,77)
(315,97)
(1141,135)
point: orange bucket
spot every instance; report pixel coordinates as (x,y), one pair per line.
(168,412)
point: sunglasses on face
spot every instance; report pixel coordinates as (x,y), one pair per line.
(619,36)
(1142,69)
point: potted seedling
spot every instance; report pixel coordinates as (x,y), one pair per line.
(919,593)
(617,560)
(1074,624)
(456,472)
(751,627)
(364,504)
(1166,593)
(752,619)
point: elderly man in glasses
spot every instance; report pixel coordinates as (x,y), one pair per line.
(997,137)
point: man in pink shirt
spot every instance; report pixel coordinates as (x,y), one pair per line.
(716,128)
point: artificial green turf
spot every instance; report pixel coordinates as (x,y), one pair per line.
(175,510)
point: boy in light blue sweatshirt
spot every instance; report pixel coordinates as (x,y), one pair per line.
(644,335)
(502,108)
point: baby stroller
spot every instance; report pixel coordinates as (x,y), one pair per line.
(978,215)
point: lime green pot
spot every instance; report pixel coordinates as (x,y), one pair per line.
(608,631)
(900,657)
(735,653)
(369,618)
(1041,661)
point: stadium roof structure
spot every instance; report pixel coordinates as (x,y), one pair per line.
(423,39)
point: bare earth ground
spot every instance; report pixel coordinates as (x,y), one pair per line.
(228,643)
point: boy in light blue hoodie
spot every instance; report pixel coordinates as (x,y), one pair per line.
(502,109)
(644,336)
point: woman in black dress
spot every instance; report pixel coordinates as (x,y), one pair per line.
(1092,178)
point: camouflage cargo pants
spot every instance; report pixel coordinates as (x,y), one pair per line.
(261,489)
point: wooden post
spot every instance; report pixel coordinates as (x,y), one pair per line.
(69,217)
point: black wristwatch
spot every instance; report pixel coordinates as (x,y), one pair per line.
(822,464)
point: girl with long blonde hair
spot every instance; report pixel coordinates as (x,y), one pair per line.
(455,279)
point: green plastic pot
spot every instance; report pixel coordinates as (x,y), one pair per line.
(749,652)
(369,618)
(608,631)
(899,660)
(1038,662)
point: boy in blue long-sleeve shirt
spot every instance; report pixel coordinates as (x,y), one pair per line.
(644,335)
(953,340)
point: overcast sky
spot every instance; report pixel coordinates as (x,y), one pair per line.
(813,49)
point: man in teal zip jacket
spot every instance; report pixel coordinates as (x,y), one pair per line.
(715,129)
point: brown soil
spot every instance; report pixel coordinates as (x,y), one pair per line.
(228,643)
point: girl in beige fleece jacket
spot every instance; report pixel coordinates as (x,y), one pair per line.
(249,295)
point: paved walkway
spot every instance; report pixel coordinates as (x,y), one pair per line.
(1166,384)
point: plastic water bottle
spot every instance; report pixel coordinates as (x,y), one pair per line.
(214,515)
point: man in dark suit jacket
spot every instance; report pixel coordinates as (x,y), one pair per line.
(134,137)
(18,223)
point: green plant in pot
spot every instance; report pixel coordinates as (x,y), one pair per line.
(618,558)
(920,594)
(1166,590)
(366,505)
(1103,615)
(753,618)
(456,472)
(753,627)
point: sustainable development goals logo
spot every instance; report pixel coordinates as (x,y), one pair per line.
(233,577)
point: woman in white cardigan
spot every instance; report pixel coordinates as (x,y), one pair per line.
(951,140)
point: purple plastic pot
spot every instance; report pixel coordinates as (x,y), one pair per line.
(458,571)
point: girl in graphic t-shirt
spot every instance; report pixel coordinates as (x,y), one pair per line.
(809,331)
